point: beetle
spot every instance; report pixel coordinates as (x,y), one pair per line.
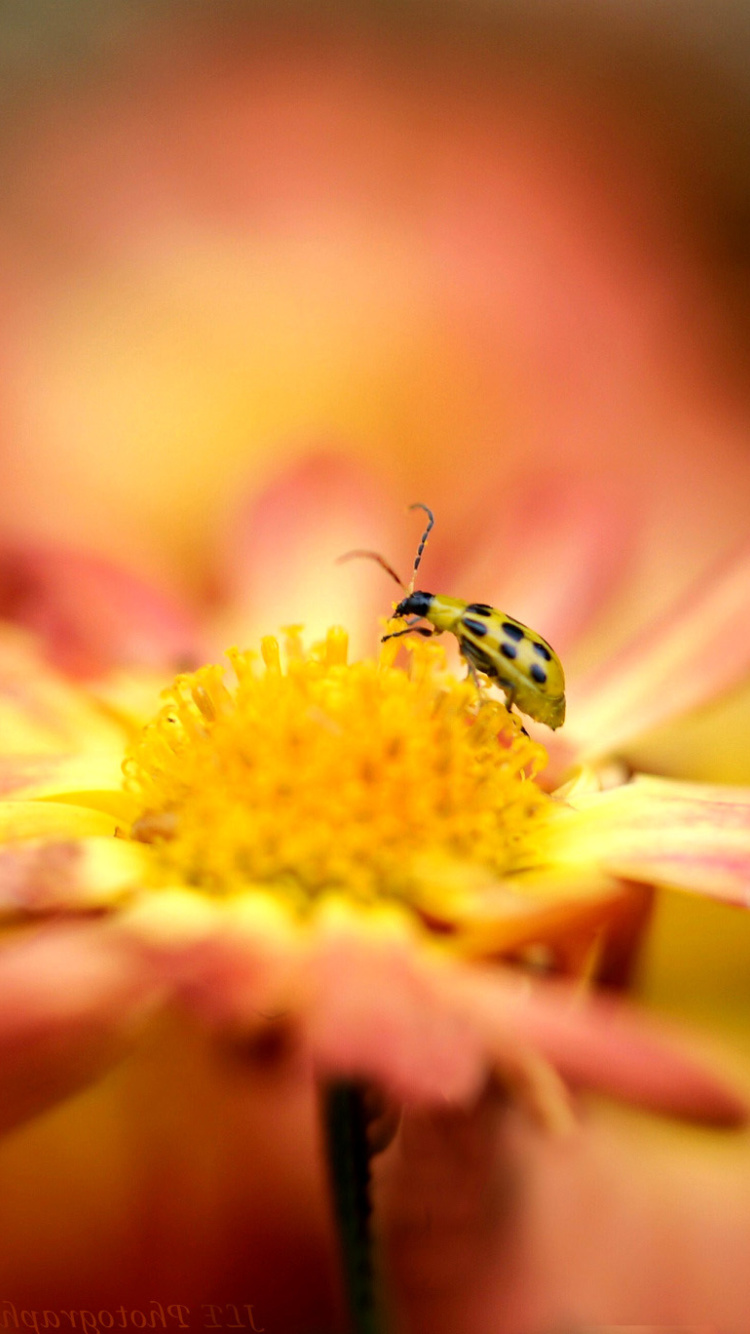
(523,665)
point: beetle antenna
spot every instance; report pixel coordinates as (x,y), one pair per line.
(420,549)
(380,560)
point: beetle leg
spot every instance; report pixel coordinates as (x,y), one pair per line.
(410,629)
(472,672)
(510,699)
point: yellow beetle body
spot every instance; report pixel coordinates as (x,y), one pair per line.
(523,664)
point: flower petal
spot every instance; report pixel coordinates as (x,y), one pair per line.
(559,548)
(235,961)
(72,999)
(51,819)
(47,875)
(620,1228)
(701,648)
(280,565)
(40,711)
(598,1043)
(541,907)
(92,615)
(430,1029)
(688,835)
(382,1009)
(93,780)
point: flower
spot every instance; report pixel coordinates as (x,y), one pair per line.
(352,903)
(315,837)
(418,988)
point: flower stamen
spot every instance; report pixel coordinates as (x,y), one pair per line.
(311,774)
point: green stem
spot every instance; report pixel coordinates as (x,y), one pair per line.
(348,1154)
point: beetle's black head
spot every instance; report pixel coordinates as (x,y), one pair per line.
(415,604)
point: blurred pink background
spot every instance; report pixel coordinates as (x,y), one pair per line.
(454,242)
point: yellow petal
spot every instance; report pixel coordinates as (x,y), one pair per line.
(51,819)
(87,779)
(173,918)
(538,909)
(111,865)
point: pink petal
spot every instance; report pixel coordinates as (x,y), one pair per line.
(24,774)
(700,649)
(38,876)
(383,1010)
(236,965)
(550,551)
(279,566)
(55,874)
(72,998)
(430,1029)
(91,615)
(490,1226)
(688,835)
(371,999)
(601,1044)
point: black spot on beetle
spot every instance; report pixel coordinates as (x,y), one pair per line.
(515,631)
(480,608)
(509,650)
(476,627)
(538,673)
(543,651)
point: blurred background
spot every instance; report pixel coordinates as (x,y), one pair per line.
(476,250)
(457,242)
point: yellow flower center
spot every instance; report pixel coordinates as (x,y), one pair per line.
(323,775)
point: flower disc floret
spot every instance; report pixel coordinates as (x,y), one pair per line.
(322,775)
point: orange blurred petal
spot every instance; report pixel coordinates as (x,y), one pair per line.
(370,998)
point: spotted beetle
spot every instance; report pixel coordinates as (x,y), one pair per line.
(522,664)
